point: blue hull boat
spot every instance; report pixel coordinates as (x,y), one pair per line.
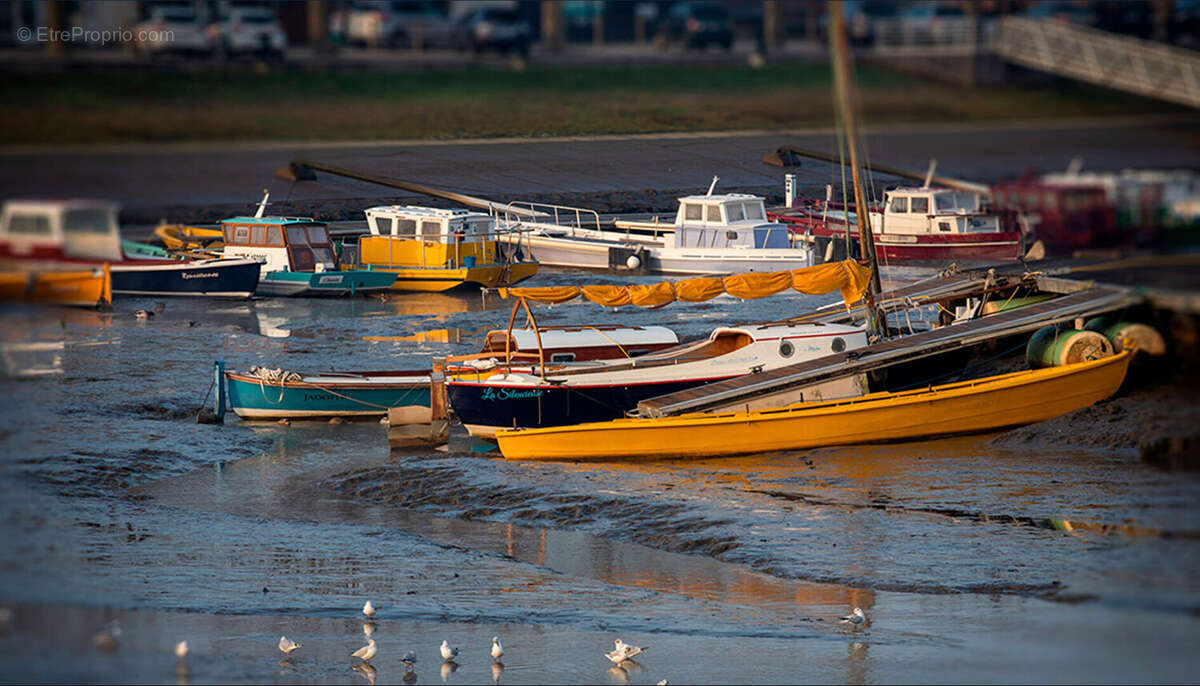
(329,283)
(275,394)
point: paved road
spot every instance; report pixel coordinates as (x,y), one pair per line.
(190,177)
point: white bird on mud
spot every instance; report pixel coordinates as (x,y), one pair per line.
(623,651)
(497,649)
(857,617)
(287,645)
(448,653)
(181,649)
(366,652)
(369,610)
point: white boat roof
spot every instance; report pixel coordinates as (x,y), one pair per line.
(595,337)
(421,212)
(58,204)
(719,197)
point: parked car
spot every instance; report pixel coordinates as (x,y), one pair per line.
(494,28)
(172,28)
(248,30)
(862,17)
(698,25)
(932,22)
(394,24)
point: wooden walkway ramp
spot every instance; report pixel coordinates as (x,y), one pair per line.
(726,395)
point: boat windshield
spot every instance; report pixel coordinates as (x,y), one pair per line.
(317,235)
(296,235)
(86,221)
(949,201)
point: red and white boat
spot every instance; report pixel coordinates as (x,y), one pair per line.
(57,234)
(927,224)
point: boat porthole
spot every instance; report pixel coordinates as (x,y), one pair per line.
(786,348)
(839,344)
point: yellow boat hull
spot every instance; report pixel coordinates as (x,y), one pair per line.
(179,237)
(969,407)
(79,287)
(433,280)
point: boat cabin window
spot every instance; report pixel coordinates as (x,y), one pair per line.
(29,225)
(692,212)
(714,213)
(274,235)
(944,226)
(405,227)
(258,234)
(317,235)
(296,235)
(754,210)
(562,357)
(900,205)
(736,211)
(86,221)
(241,235)
(920,205)
(431,230)
(480,227)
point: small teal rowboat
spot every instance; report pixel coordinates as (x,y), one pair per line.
(274,394)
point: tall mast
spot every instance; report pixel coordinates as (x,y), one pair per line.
(840,57)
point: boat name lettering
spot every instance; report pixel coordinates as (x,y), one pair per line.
(330,279)
(320,396)
(200,275)
(509,393)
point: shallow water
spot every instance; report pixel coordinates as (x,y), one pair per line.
(975,561)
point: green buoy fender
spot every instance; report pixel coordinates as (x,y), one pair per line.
(1050,347)
(1125,335)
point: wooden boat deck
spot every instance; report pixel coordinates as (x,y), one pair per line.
(1086,303)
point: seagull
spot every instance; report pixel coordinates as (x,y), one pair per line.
(409,659)
(856,617)
(181,650)
(497,649)
(287,645)
(369,610)
(623,651)
(366,652)
(448,653)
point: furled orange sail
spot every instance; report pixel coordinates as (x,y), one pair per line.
(848,276)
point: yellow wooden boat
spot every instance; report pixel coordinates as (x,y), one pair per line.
(180,237)
(968,407)
(432,249)
(78,287)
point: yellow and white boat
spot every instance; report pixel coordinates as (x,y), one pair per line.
(187,238)
(433,249)
(968,407)
(77,287)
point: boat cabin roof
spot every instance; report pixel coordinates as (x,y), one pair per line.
(720,198)
(589,337)
(272,221)
(420,212)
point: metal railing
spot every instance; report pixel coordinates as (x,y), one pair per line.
(1073,50)
(1131,64)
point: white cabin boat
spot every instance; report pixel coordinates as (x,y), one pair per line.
(712,234)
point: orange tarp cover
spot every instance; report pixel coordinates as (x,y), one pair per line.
(848,276)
